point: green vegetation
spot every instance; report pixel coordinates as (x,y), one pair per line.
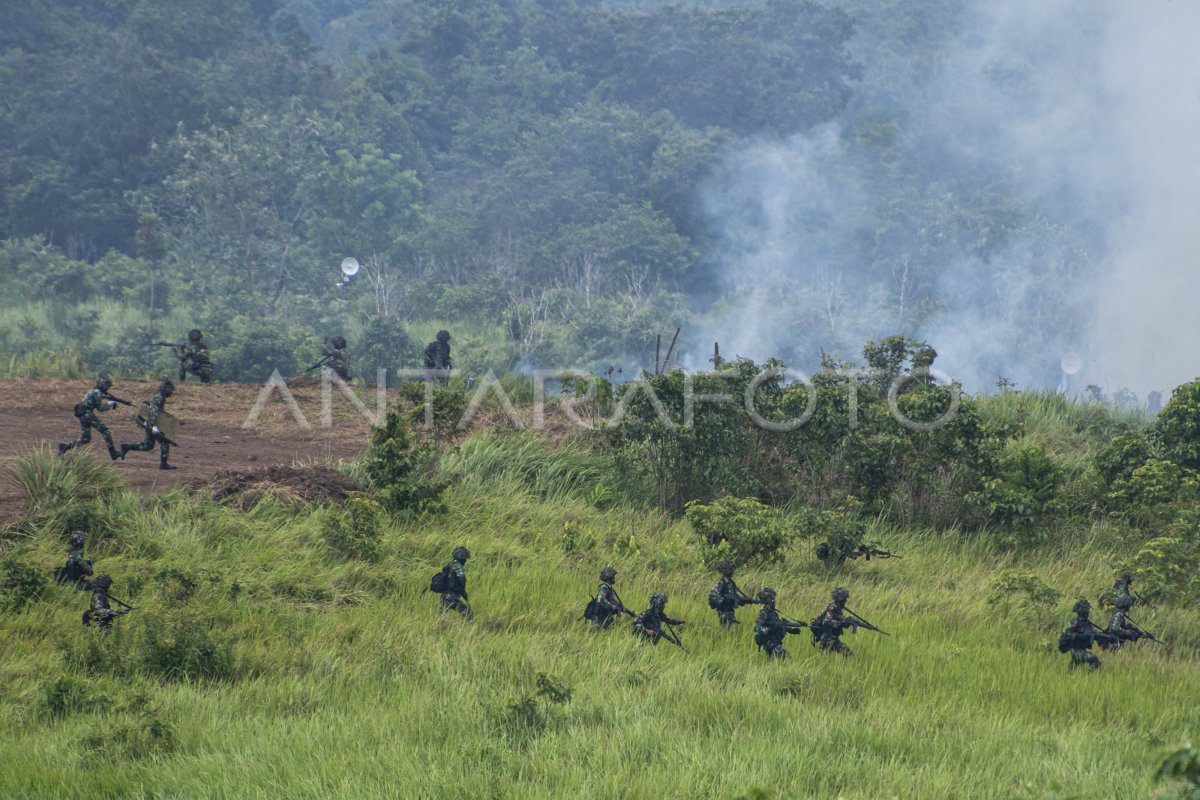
(303,638)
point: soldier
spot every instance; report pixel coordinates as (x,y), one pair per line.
(437,352)
(1122,586)
(827,629)
(193,357)
(608,604)
(647,626)
(725,597)
(153,434)
(1120,627)
(77,567)
(337,358)
(99,610)
(770,628)
(96,399)
(454,595)
(1079,635)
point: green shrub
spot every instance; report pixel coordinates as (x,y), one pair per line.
(1182,768)
(69,694)
(1025,494)
(1117,460)
(50,483)
(1178,426)
(740,528)
(399,469)
(22,584)
(1026,596)
(355,531)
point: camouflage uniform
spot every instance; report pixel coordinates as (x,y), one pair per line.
(608,606)
(1079,636)
(770,628)
(193,357)
(337,358)
(648,625)
(75,570)
(831,625)
(93,402)
(727,597)
(437,352)
(99,610)
(455,593)
(152,435)
(1120,627)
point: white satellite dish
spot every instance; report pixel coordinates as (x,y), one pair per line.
(349,266)
(1072,363)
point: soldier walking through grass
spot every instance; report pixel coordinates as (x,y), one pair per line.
(454,584)
(77,569)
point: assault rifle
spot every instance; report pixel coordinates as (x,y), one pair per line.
(790,624)
(1145,633)
(862,623)
(324,362)
(108,396)
(176,346)
(869,550)
(672,637)
(743,598)
(621,603)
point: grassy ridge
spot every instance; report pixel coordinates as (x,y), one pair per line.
(345,681)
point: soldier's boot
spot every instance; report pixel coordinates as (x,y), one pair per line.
(162,464)
(124,451)
(63,448)
(113,455)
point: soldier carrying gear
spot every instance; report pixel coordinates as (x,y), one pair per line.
(153,434)
(99,610)
(770,627)
(96,400)
(437,352)
(648,625)
(1079,636)
(454,587)
(827,629)
(725,597)
(1120,627)
(605,607)
(77,568)
(193,357)
(337,358)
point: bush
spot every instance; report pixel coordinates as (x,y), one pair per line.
(51,483)
(354,533)
(183,648)
(740,528)
(1026,595)
(68,694)
(22,584)
(1178,426)
(1026,493)
(399,469)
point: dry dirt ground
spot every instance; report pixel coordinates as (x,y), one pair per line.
(213,438)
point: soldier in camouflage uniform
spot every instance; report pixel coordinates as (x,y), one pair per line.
(165,390)
(77,568)
(96,400)
(827,629)
(725,596)
(437,352)
(337,358)
(99,610)
(608,604)
(193,357)
(648,625)
(770,628)
(1120,627)
(454,596)
(1079,636)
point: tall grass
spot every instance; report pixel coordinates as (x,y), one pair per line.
(1062,423)
(52,485)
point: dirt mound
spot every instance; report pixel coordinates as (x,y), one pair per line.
(243,488)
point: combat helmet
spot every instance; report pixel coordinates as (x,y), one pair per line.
(1082,608)
(104,382)
(194,335)
(607,574)
(767,596)
(338,342)
(1124,602)
(443,336)
(78,539)
(726,567)
(461,554)
(841,594)
(658,600)
(103,582)
(166,388)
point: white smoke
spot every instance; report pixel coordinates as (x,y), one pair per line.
(1083,119)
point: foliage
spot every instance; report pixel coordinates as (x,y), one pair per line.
(1178,426)
(1026,493)
(355,531)
(1024,595)
(740,528)
(399,469)
(22,584)
(183,647)
(1182,767)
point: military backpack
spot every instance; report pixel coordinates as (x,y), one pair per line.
(440,582)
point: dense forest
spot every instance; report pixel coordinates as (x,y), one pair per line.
(555,182)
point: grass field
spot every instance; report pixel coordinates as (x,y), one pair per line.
(260,664)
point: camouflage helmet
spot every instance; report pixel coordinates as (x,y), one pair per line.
(658,600)
(78,539)
(1124,602)
(1082,607)
(103,582)
(166,388)
(841,594)
(461,554)
(767,596)
(339,342)
(607,574)
(443,336)
(194,335)
(104,383)
(726,567)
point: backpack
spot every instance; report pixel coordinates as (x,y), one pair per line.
(592,610)
(817,626)
(1065,640)
(714,598)
(80,410)
(760,639)
(440,581)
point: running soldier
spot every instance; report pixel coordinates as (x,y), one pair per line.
(827,629)
(1079,636)
(607,604)
(725,597)
(96,400)
(1120,627)
(437,352)
(153,434)
(337,358)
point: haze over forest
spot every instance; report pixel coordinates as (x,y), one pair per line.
(557,183)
